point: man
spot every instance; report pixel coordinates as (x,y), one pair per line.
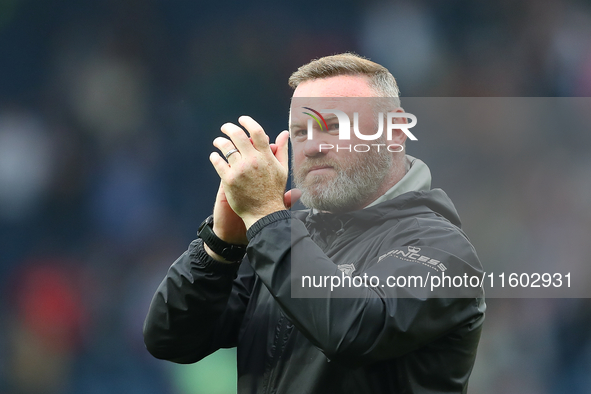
(373,215)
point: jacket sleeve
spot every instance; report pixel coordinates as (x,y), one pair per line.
(358,324)
(198,307)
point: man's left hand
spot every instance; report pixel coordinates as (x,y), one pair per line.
(253,177)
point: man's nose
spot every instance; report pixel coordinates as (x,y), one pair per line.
(317,146)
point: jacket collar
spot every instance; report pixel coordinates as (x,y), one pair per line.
(417,178)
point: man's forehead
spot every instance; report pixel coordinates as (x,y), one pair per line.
(337,86)
(300,105)
(325,102)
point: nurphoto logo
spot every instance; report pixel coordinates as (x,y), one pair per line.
(344,129)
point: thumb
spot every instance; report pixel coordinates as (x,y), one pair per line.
(282,151)
(221,195)
(291,197)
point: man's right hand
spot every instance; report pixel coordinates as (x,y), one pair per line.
(227,225)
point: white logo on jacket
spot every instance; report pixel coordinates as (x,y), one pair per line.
(413,255)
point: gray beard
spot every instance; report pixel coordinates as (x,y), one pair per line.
(355,182)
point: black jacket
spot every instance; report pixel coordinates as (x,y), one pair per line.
(346,340)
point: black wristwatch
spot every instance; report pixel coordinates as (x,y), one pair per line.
(230,252)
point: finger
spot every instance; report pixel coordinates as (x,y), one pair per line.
(291,197)
(273,148)
(223,144)
(260,139)
(282,153)
(253,142)
(238,137)
(226,146)
(220,165)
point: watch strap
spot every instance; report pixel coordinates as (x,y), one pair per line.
(230,252)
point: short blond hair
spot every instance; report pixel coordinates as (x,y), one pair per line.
(380,79)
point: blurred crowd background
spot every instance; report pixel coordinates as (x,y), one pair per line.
(107,113)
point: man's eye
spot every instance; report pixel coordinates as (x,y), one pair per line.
(333,128)
(300,133)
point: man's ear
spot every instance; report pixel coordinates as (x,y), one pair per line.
(398,136)
(403,119)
